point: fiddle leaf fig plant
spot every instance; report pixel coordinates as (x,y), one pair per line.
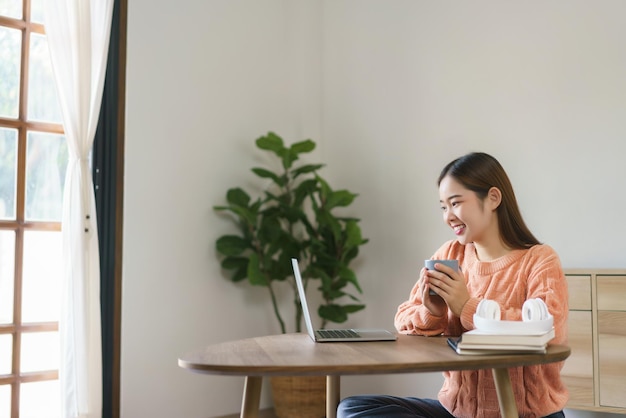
(294,217)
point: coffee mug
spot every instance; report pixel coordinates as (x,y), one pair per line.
(430,265)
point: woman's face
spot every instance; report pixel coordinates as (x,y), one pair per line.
(471,219)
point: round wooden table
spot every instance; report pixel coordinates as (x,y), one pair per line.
(298,355)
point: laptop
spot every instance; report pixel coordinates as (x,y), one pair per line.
(335,335)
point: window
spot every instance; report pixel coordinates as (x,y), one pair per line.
(33,159)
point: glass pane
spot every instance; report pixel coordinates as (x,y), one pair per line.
(7,271)
(43,104)
(6,353)
(42,276)
(36,358)
(36,11)
(40,400)
(10,58)
(46,161)
(8,170)
(5,401)
(11,8)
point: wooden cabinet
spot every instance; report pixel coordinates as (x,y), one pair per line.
(612,340)
(577,372)
(595,373)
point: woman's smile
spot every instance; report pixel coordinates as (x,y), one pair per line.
(458,229)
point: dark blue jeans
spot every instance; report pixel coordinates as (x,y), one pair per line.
(397,407)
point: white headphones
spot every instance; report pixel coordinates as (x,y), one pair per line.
(535,310)
(532,310)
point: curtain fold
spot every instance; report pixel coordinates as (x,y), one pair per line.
(78,37)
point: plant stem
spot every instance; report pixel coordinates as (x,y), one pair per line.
(275,305)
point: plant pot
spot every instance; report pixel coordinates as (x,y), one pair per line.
(299,396)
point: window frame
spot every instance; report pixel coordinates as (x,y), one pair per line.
(108,174)
(20,225)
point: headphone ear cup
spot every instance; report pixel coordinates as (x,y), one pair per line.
(544,309)
(488,309)
(535,310)
(529,310)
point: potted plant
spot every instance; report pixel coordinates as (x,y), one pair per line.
(294,217)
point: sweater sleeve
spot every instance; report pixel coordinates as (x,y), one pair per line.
(412,317)
(546,281)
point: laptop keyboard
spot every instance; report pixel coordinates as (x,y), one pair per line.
(337,333)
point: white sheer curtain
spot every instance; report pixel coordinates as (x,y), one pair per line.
(78,36)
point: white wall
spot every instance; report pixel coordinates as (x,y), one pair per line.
(391,91)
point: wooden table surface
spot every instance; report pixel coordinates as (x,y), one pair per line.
(297,354)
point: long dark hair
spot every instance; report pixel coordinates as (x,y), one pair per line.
(479,172)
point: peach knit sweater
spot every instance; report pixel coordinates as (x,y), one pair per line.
(509,280)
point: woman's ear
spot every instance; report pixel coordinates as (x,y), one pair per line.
(494,198)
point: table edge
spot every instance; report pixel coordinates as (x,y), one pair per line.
(555,354)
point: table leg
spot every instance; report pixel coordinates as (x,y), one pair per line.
(333,389)
(251,397)
(506,399)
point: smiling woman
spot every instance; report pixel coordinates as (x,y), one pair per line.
(499,260)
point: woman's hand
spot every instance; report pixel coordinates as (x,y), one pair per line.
(448,284)
(435,304)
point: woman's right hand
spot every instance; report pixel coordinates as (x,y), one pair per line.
(434,303)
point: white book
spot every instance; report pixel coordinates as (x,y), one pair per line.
(482,349)
(477,336)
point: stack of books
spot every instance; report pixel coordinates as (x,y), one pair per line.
(477,342)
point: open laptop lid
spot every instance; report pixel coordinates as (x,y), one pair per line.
(305,307)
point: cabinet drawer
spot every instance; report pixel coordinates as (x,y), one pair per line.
(611,293)
(577,373)
(579,289)
(612,362)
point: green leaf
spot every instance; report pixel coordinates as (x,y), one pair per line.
(334,294)
(353,234)
(262,172)
(339,198)
(270,230)
(244,213)
(309,168)
(239,264)
(255,275)
(353,308)
(326,219)
(231,263)
(303,146)
(325,189)
(240,274)
(271,142)
(237,196)
(230,245)
(333,313)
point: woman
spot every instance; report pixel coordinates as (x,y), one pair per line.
(500,260)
